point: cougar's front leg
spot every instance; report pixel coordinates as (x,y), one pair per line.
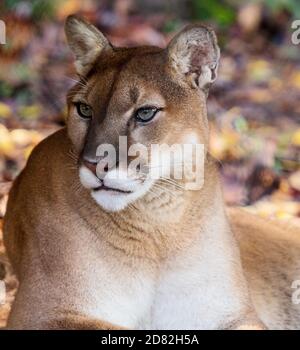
(251,327)
(247,322)
(74,321)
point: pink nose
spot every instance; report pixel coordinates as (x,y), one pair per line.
(92,166)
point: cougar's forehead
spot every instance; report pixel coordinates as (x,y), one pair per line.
(127,74)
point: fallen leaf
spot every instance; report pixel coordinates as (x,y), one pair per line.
(5,110)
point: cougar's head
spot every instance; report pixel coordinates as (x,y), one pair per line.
(130,101)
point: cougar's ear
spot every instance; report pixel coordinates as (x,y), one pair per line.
(194,53)
(86,42)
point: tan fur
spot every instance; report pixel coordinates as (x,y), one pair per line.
(78,322)
(270,253)
(100,267)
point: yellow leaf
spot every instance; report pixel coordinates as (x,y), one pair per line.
(28,151)
(296,80)
(283,215)
(21,137)
(30,112)
(69,7)
(5,110)
(259,70)
(6,144)
(296,138)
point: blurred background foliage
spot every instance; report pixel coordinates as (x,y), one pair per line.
(254,108)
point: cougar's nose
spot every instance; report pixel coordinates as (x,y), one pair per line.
(91,165)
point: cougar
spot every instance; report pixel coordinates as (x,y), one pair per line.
(93,250)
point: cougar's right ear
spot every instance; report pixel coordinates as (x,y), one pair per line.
(86,42)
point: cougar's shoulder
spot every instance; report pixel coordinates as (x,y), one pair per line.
(46,156)
(25,195)
(50,151)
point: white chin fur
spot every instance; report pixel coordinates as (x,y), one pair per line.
(111,200)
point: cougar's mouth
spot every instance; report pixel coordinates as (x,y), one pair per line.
(116,191)
(106,188)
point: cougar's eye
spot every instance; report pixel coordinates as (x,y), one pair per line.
(84,110)
(145,114)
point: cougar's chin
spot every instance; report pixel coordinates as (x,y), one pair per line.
(113,201)
(116,191)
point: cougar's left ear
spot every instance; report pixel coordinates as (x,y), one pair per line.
(194,53)
(86,42)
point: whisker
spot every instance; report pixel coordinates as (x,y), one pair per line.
(162,166)
(164,189)
(80,82)
(172,182)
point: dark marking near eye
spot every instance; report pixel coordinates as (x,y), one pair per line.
(134,94)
